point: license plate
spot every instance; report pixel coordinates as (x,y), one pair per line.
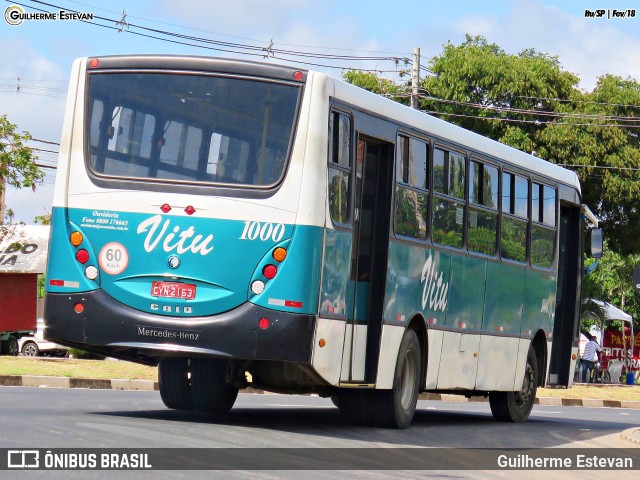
(173,290)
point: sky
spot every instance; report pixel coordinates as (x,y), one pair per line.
(40,53)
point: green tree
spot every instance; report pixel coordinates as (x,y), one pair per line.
(476,81)
(612,281)
(382,86)
(17,161)
(43,219)
(542,111)
(529,102)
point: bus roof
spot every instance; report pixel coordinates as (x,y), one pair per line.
(434,126)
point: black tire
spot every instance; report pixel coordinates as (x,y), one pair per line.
(209,388)
(515,407)
(395,408)
(10,346)
(30,349)
(355,405)
(606,377)
(174,383)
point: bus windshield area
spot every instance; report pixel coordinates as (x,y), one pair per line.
(177,127)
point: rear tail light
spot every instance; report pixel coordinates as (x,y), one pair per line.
(279,254)
(257,287)
(91,272)
(82,256)
(76,239)
(269,271)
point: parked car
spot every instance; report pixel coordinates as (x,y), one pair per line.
(35,345)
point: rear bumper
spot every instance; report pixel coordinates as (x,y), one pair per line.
(110,327)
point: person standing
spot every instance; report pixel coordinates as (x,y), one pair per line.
(590,356)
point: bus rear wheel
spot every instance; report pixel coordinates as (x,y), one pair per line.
(174,383)
(395,408)
(515,407)
(210,390)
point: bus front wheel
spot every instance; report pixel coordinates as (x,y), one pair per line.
(395,408)
(174,383)
(209,387)
(516,406)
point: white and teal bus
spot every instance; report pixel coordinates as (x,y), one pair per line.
(238,223)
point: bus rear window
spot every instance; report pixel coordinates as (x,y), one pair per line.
(190,128)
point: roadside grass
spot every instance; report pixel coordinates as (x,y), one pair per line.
(107,369)
(66,367)
(597,392)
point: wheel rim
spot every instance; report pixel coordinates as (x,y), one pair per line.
(30,350)
(523,397)
(408,380)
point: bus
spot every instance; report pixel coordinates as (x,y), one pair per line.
(244,224)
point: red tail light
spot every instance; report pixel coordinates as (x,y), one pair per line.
(82,256)
(269,271)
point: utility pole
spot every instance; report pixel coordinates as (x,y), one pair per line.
(3,188)
(415,77)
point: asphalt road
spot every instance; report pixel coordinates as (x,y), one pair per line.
(75,418)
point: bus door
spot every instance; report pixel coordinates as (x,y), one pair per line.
(372,207)
(567,322)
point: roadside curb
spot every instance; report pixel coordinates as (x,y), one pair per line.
(150,385)
(631,435)
(87,383)
(545,401)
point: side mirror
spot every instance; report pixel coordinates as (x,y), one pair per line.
(596,243)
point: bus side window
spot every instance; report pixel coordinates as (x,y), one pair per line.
(449,175)
(339,167)
(543,228)
(410,219)
(515,217)
(483,208)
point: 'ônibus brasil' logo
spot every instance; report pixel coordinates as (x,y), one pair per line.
(435,290)
(180,241)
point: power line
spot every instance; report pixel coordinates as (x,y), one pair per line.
(238,37)
(536,122)
(45,141)
(45,166)
(571,115)
(43,150)
(578,101)
(603,167)
(535,112)
(231,47)
(31,93)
